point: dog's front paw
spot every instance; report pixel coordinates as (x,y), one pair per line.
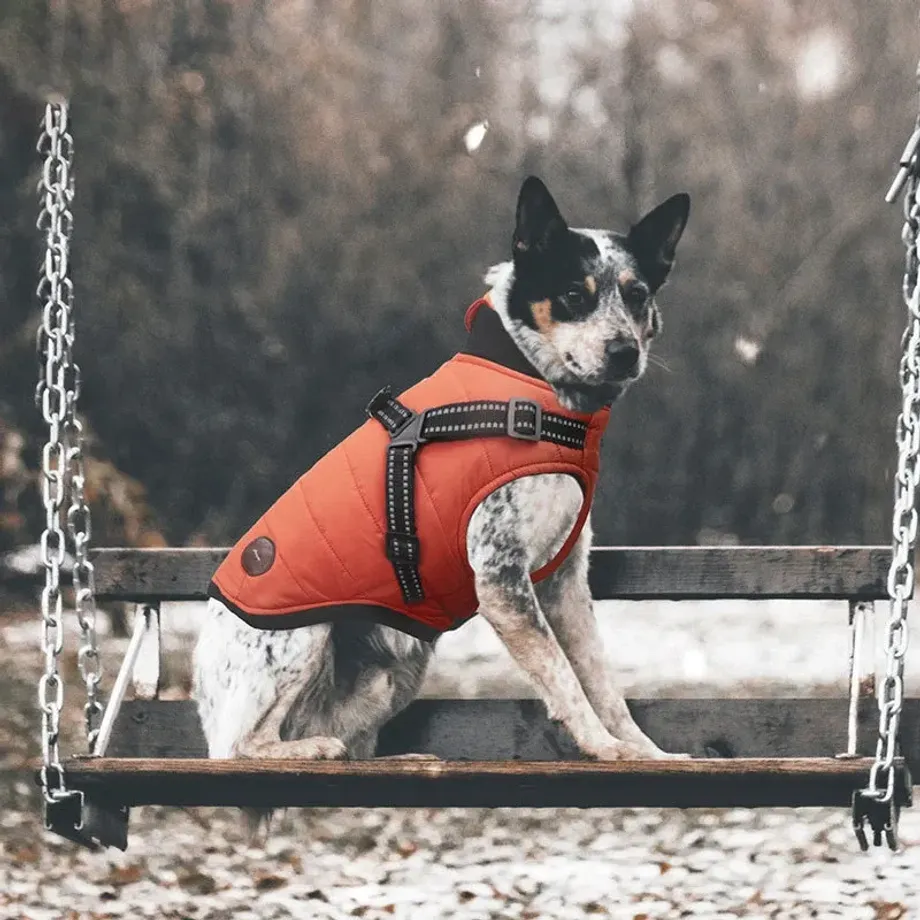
(616,750)
(648,750)
(630,750)
(631,734)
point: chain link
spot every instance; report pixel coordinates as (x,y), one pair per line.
(901,575)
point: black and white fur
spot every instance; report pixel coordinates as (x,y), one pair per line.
(579,305)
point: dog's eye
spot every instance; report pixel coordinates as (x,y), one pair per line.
(575,297)
(635,295)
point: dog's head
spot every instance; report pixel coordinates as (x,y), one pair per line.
(580,303)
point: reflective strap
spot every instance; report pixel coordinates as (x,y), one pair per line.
(401,544)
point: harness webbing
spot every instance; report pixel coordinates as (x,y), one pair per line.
(521,419)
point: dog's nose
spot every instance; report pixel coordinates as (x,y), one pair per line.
(622,358)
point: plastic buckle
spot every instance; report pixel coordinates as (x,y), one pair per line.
(527,434)
(402,548)
(409,434)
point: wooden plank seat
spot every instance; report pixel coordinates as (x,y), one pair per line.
(627,573)
(749,782)
(745,752)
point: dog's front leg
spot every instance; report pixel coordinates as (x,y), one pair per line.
(506,539)
(508,602)
(566,600)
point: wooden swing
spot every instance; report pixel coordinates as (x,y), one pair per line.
(854,751)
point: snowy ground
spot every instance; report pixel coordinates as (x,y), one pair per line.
(478,864)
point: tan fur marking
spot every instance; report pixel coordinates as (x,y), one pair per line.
(590,284)
(627,276)
(542,316)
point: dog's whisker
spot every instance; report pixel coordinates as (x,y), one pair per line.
(660,362)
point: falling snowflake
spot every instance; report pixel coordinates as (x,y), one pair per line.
(475,135)
(747,349)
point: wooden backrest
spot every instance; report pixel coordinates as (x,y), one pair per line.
(856,573)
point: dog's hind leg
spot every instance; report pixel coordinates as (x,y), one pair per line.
(372,673)
(246,679)
(266,740)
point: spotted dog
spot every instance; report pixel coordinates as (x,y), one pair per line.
(579,307)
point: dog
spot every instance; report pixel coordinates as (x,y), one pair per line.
(579,305)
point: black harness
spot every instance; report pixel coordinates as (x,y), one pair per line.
(521,419)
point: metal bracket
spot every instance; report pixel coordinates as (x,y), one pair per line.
(90,824)
(146,619)
(906,164)
(862,674)
(145,676)
(882,816)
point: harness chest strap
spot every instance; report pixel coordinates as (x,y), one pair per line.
(521,419)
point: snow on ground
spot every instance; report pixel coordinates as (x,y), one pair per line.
(476,864)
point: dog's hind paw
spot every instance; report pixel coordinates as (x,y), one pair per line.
(317,748)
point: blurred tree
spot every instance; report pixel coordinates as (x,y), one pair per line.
(276,215)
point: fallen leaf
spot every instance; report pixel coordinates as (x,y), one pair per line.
(406,847)
(268,881)
(25,854)
(119,876)
(197,883)
(889,910)
(290,857)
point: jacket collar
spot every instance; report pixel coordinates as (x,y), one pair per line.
(490,340)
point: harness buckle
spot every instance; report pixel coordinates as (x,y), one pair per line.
(526,428)
(402,548)
(409,433)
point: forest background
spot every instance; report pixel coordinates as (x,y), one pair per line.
(277,212)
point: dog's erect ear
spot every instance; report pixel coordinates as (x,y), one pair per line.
(539,222)
(654,239)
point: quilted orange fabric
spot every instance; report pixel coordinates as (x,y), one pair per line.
(322,542)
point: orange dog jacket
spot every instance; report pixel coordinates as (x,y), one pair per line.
(377,527)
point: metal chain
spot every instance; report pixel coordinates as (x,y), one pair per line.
(56,294)
(79,527)
(63,456)
(881,786)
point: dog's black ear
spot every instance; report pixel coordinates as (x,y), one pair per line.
(654,239)
(539,222)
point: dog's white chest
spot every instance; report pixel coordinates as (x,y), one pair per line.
(537,512)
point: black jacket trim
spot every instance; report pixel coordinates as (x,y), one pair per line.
(383,616)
